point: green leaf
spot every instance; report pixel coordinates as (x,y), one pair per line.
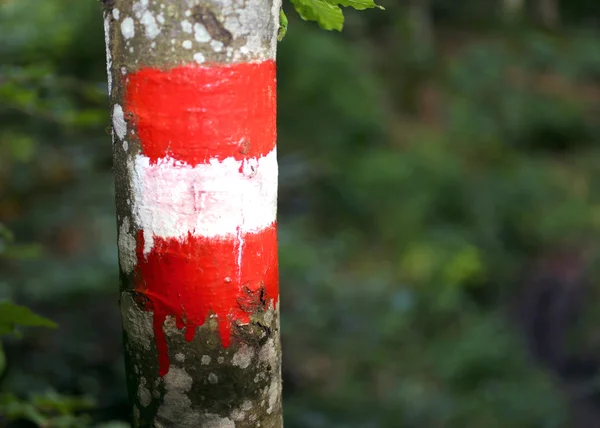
(283,25)
(23,251)
(11,315)
(53,402)
(327,15)
(463,266)
(357,4)
(6,238)
(17,146)
(6,234)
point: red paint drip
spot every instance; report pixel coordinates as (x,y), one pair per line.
(199,276)
(197,113)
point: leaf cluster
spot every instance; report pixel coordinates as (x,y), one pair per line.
(328,13)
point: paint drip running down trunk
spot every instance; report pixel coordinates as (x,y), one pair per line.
(193,104)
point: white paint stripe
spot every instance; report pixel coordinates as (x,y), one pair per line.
(173,199)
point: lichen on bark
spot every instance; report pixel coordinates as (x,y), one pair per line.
(207,385)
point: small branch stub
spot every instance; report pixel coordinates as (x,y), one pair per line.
(192,86)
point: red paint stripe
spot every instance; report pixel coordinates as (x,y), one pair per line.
(197,113)
(191,279)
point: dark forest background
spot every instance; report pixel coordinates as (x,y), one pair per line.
(439,216)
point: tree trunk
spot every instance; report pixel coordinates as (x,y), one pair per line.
(421,24)
(514,8)
(193,103)
(548,13)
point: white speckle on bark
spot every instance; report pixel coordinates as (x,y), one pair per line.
(238,415)
(252,22)
(123,71)
(136,323)
(170,327)
(176,407)
(275,10)
(220,360)
(136,413)
(199,57)
(126,243)
(215,421)
(125,145)
(149,23)
(188,13)
(243,357)
(186,26)
(268,353)
(180,357)
(268,317)
(144,393)
(187,44)
(212,378)
(274,393)
(115,13)
(160,18)
(216,45)
(178,379)
(205,360)
(200,33)
(118,120)
(108,54)
(138,8)
(130,49)
(128,28)
(113,138)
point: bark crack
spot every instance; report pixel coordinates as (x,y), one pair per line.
(204,15)
(108,4)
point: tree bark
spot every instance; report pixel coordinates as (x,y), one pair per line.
(514,8)
(548,12)
(421,23)
(193,101)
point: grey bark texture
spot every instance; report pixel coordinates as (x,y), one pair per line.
(207,386)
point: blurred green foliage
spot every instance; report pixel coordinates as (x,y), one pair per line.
(419,179)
